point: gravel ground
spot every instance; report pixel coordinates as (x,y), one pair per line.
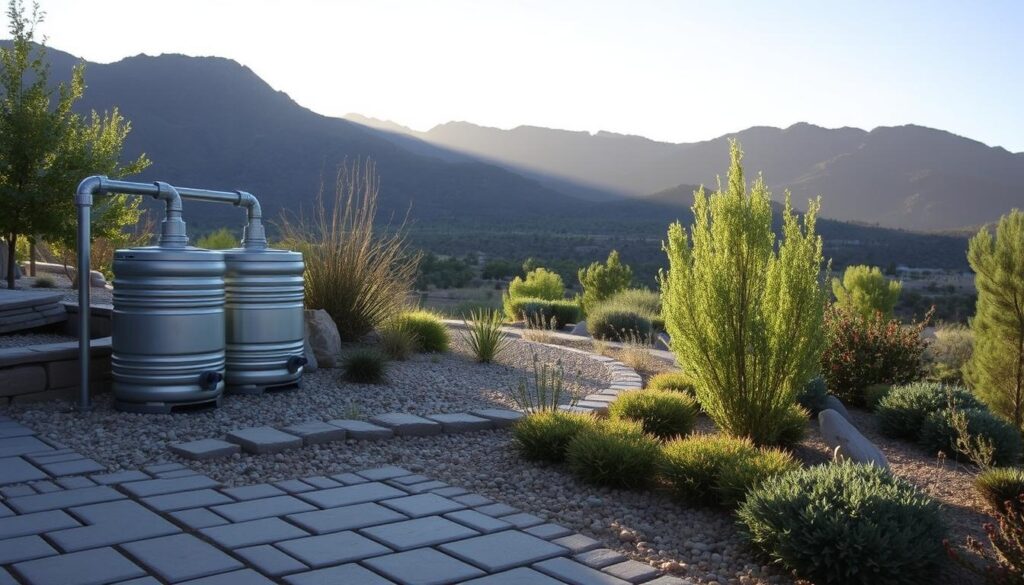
(96,294)
(24,339)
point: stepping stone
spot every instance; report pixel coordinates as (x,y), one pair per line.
(382,473)
(271,561)
(198,518)
(265,508)
(424,566)
(407,425)
(520,576)
(503,550)
(253,492)
(423,505)
(579,409)
(38,523)
(262,531)
(346,574)
(352,494)
(607,398)
(576,574)
(477,521)
(184,500)
(498,417)
(345,518)
(180,557)
(461,422)
(24,548)
(522,520)
(243,577)
(204,449)
(76,467)
(111,523)
(316,431)
(548,531)
(600,558)
(418,533)
(332,549)
(102,565)
(449,492)
(17,470)
(577,543)
(600,407)
(407,480)
(156,487)
(64,499)
(632,571)
(263,440)
(362,430)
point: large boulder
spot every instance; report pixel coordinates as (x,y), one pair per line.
(831,402)
(846,441)
(323,338)
(311,364)
(580,329)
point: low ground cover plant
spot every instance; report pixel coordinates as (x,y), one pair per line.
(846,523)
(662,413)
(674,381)
(614,323)
(563,311)
(484,336)
(430,331)
(545,435)
(614,453)
(364,366)
(903,411)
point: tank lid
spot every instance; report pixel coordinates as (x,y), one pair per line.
(261,255)
(158,253)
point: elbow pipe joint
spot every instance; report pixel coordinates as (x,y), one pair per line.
(172,228)
(254,236)
(87,188)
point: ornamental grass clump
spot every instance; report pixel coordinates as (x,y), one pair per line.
(364,366)
(614,453)
(674,381)
(662,413)
(743,307)
(846,523)
(397,341)
(545,436)
(548,390)
(1000,485)
(614,323)
(428,328)
(484,336)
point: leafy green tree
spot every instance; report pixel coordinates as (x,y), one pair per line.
(995,372)
(46,148)
(865,290)
(221,239)
(745,310)
(540,283)
(601,281)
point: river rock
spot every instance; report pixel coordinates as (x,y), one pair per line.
(323,338)
(846,440)
(835,404)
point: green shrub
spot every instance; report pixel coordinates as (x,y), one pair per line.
(221,239)
(938,434)
(601,281)
(364,366)
(903,410)
(545,436)
(812,395)
(865,290)
(674,381)
(430,331)
(641,300)
(614,454)
(693,465)
(484,336)
(846,524)
(44,281)
(533,309)
(791,427)
(746,473)
(663,413)
(397,341)
(1000,485)
(948,352)
(874,394)
(547,392)
(614,324)
(540,283)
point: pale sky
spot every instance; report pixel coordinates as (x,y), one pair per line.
(673,71)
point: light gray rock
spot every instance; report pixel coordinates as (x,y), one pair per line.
(847,441)
(580,329)
(323,338)
(311,364)
(831,402)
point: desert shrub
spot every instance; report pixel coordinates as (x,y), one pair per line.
(938,434)
(601,281)
(874,394)
(790,428)
(636,353)
(430,331)
(540,329)
(846,524)
(641,300)
(484,336)
(693,465)
(397,341)
(545,436)
(812,395)
(861,351)
(540,283)
(364,366)
(663,413)
(948,352)
(1000,485)
(614,324)
(865,290)
(44,281)
(359,276)
(614,453)
(744,307)
(563,311)
(221,239)
(547,392)
(747,473)
(904,409)
(674,381)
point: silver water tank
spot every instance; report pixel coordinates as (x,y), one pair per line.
(168,328)
(264,312)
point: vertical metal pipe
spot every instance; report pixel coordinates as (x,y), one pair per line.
(83,304)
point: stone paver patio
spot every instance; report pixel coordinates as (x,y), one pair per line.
(64,521)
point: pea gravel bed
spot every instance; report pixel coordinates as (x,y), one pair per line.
(425,384)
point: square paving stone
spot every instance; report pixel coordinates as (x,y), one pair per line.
(503,550)
(632,571)
(243,577)
(351,494)
(577,543)
(461,422)
(424,566)
(64,499)
(73,467)
(423,505)
(669,580)
(417,533)
(13,446)
(522,520)
(497,510)
(332,549)
(7,579)
(24,548)
(263,440)
(141,581)
(253,492)
(600,558)
(449,491)
(362,430)
(91,567)
(5,511)
(17,470)
(575,573)
(382,473)
(315,431)
(349,478)
(472,500)
(13,429)
(520,576)
(407,425)
(270,560)
(251,533)
(119,477)
(176,473)
(426,486)
(204,449)
(499,417)
(477,521)
(265,508)
(293,486)
(53,456)
(198,518)
(184,500)
(343,574)
(346,518)
(321,482)
(180,557)
(548,531)
(156,487)
(14,491)
(37,523)
(111,523)
(406,480)
(45,487)
(162,467)
(73,483)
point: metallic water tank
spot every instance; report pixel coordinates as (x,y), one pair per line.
(264,318)
(168,328)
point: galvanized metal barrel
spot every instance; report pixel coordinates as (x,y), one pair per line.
(265,325)
(168,328)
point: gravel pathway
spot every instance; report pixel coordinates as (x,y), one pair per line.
(25,339)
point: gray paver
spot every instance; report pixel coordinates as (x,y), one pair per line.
(600,558)
(73,467)
(17,470)
(91,567)
(204,449)
(24,548)
(497,510)
(111,523)
(75,482)
(253,492)
(349,478)
(156,487)
(498,417)
(472,500)
(407,480)
(181,557)
(37,523)
(263,440)
(293,486)
(575,573)
(141,581)
(477,521)
(243,577)
(362,430)
(577,543)
(7,579)
(346,574)
(346,518)
(426,486)
(13,491)
(64,499)
(5,511)
(548,531)
(162,467)
(270,560)
(13,446)
(45,487)
(315,431)
(425,566)
(522,520)
(382,473)
(503,550)
(119,477)
(321,482)
(449,491)
(332,549)
(407,425)
(669,580)
(417,533)
(176,473)
(352,494)
(632,571)
(265,508)
(13,429)
(423,505)
(53,456)
(461,422)
(198,518)
(184,500)
(520,576)
(251,533)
